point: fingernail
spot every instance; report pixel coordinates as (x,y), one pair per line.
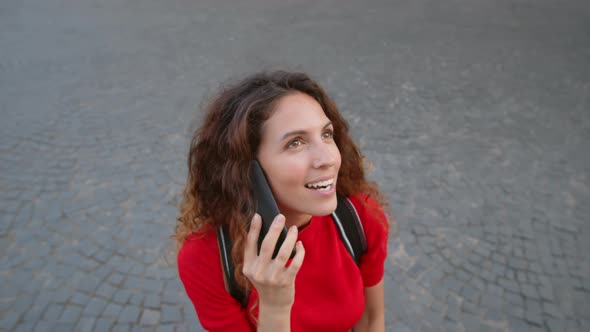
(293,229)
(279,220)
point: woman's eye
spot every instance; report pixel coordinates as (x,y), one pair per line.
(328,134)
(294,143)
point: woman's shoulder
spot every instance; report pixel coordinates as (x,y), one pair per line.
(198,247)
(370,212)
(376,229)
(365,204)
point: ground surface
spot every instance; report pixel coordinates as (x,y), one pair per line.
(476,115)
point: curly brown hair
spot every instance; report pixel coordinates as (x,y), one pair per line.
(217,190)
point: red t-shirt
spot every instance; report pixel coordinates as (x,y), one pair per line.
(328,288)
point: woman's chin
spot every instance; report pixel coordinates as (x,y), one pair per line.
(323,208)
(311,205)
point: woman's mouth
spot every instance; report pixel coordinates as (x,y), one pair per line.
(324,185)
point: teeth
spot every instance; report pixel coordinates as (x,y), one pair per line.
(320,184)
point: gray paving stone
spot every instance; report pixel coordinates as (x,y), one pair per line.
(136,298)
(499,270)
(581,304)
(25,327)
(35,313)
(478,284)
(88,284)
(89,250)
(53,312)
(102,272)
(104,324)
(471,322)
(61,326)
(533,312)
(181,328)
(95,307)
(470,294)
(552,310)
(149,285)
(535,267)
(129,314)
(80,298)
(150,317)
(170,298)
(22,303)
(572,325)
(438,307)
(453,313)
(112,310)
(450,325)
(517,324)
(106,291)
(521,277)
(462,276)
(165,328)
(71,314)
(121,328)
(515,310)
(529,291)
(416,270)
(102,255)
(85,324)
(43,326)
(452,284)
(122,296)
(554,325)
(488,276)
(170,314)
(509,285)
(137,270)
(141,329)
(491,301)
(152,301)
(115,279)
(471,268)
(400,327)
(172,286)
(9,320)
(533,278)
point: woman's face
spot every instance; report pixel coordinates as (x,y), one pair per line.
(300,158)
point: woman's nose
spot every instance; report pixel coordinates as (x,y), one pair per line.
(324,155)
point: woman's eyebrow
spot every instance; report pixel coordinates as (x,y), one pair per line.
(302,132)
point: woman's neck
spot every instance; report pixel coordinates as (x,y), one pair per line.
(296,219)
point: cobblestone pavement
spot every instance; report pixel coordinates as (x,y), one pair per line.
(476,115)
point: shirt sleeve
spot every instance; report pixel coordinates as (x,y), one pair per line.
(374,221)
(199,269)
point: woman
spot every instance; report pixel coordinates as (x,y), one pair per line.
(288,123)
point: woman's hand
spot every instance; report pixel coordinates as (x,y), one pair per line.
(274,281)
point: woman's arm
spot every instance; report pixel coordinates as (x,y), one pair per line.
(373,319)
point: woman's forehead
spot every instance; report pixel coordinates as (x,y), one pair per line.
(296,111)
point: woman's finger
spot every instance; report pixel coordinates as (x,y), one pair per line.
(287,246)
(296,262)
(270,239)
(251,249)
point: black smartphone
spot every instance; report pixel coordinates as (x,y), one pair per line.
(266,206)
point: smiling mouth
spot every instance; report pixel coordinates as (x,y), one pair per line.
(321,185)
